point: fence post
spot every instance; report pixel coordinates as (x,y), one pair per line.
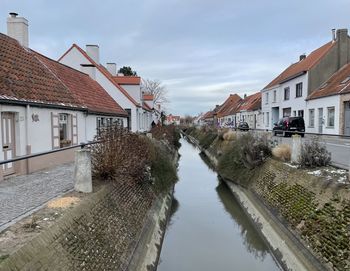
(296,149)
(82,171)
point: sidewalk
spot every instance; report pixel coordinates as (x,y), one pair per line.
(21,195)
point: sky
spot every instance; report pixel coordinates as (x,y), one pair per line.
(201,50)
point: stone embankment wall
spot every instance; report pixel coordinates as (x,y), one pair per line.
(120,227)
(313,213)
(99,234)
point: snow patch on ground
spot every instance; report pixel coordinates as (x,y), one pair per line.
(337,175)
(291,165)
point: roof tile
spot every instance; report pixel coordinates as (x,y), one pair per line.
(301,66)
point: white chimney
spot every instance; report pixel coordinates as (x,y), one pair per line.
(112,68)
(333,35)
(17,28)
(89,70)
(93,51)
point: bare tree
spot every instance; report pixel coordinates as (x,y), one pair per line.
(157,89)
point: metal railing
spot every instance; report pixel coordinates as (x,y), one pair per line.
(24,157)
(292,132)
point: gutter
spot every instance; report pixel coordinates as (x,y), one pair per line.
(56,106)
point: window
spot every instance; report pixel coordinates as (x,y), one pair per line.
(266,98)
(312,117)
(263,118)
(287,112)
(286,93)
(330,116)
(294,113)
(274,96)
(267,118)
(299,90)
(65,130)
(301,113)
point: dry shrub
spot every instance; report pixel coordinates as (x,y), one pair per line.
(120,152)
(254,149)
(230,136)
(222,132)
(282,152)
(168,133)
(314,154)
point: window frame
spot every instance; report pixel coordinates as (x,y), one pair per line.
(299,90)
(329,118)
(284,94)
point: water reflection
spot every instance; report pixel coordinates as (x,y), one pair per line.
(206,161)
(175,205)
(208,230)
(251,238)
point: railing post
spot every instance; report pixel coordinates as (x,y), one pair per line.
(82,171)
(296,149)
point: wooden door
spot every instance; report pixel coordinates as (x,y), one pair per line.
(8,140)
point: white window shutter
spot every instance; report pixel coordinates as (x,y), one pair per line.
(55,131)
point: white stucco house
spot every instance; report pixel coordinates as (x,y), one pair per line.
(126,90)
(286,94)
(328,107)
(226,111)
(249,110)
(45,105)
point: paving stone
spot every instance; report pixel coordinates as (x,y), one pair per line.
(21,194)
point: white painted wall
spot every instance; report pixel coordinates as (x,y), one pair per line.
(74,58)
(325,103)
(295,103)
(134,91)
(40,133)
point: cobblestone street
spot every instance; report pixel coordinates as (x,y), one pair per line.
(21,194)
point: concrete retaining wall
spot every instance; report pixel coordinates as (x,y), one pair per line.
(288,251)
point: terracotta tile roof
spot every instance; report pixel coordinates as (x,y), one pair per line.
(302,66)
(171,118)
(24,78)
(338,83)
(89,93)
(127,80)
(208,115)
(251,102)
(147,97)
(103,70)
(231,102)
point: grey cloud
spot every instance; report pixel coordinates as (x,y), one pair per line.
(201,49)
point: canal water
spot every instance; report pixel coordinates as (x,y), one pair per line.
(208,230)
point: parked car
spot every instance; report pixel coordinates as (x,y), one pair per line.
(286,126)
(243,126)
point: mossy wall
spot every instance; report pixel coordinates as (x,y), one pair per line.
(314,209)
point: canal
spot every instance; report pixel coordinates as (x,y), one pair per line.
(208,230)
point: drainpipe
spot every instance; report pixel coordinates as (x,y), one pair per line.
(27,132)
